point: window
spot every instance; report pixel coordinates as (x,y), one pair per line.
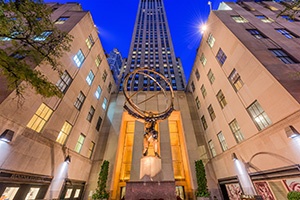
(286,33)
(203,60)
(259,117)
(104,104)
(197,74)
(221,99)
(193,86)
(212,148)
(64,132)
(197,102)
(204,124)
(61,20)
(98,123)
(90,114)
(79,101)
(239,19)
(235,80)
(264,19)
(288,18)
(203,91)
(64,82)
(89,79)
(40,118)
(98,92)
(282,55)
(79,58)
(221,57)
(256,33)
(80,142)
(104,76)
(44,35)
(236,130)
(211,112)
(109,87)
(91,149)
(211,76)
(211,40)
(98,60)
(89,41)
(222,141)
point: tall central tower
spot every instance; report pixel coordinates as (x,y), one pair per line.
(151,46)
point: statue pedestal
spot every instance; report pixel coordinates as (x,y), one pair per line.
(150,168)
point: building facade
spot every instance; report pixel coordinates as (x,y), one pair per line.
(245,84)
(49,132)
(115,62)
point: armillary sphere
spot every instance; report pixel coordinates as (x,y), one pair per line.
(133,105)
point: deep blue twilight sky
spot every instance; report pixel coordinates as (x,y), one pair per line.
(115,20)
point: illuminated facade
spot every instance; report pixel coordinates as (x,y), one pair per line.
(47,131)
(245,85)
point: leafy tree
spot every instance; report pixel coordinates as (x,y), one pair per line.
(101,192)
(29,40)
(291,8)
(202,190)
(293,195)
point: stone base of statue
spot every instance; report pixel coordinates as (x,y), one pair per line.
(150,168)
(150,190)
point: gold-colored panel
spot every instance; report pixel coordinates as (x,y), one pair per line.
(178,170)
(173,127)
(130,127)
(176,153)
(128,140)
(127,154)
(125,172)
(174,139)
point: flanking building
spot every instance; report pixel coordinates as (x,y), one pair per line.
(245,83)
(45,133)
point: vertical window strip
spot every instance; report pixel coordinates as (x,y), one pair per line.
(222,141)
(64,133)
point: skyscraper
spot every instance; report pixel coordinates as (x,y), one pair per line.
(151,46)
(179,140)
(115,62)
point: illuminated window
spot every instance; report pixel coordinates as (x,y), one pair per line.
(64,82)
(89,79)
(197,74)
(91,114)
(98,92)
(80,142)
(286,33)
(222,141)
(264,19)
(44,35)
(89,41)
(211,76)
(211,112)
(256,33)
(104,76)
(79,58)
(64,132)
(259,117)
(104,104)
(283,56)
(98,123)
(203,60)
(197,102)
(204,124)
(98,60)
(203,91)
(221,99)
(91,149)
(61,20)
(79,101)
(236,130)
(212,148)
(235,80)
(211,40)
(239,19)
(40,118)
(221,57)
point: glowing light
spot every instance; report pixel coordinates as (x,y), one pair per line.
(58,181)
(203,28)
(244,177)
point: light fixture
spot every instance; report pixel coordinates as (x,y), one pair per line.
(7,135)
(68,159)
(291,132)
(234,157)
